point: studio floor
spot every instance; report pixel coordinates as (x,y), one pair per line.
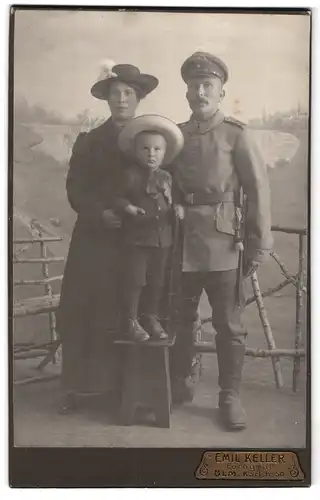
(276,418)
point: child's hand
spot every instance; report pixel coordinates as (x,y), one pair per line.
(133,210)
(179,211)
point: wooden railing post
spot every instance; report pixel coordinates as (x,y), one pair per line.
(48,291)
(299,311)
(267,330)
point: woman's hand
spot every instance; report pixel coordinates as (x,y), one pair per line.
(179,211)
(111,219)
(133,210)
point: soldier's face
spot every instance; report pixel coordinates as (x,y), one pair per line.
(122,100)
(204,95)
(150,149)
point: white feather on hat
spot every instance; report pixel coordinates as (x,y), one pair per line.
(106,69)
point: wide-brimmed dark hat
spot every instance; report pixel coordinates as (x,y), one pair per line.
(126,73)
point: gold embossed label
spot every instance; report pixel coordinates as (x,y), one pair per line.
(253,465)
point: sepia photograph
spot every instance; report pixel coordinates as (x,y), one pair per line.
(160,265)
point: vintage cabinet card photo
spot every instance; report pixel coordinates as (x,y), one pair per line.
(158,231)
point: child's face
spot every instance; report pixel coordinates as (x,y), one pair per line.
(150,150)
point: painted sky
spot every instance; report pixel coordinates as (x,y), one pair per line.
(57,56)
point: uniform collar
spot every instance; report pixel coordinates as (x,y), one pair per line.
(203,126)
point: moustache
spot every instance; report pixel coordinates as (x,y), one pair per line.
(199,101)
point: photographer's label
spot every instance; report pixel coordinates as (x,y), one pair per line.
(254,465)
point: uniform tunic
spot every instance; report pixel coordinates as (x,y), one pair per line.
(219,155)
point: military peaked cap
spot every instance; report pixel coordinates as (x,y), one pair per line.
(204,64)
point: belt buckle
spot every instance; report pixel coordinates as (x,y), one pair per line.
(190,198)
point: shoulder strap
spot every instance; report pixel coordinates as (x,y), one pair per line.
(234,121)
(183,124)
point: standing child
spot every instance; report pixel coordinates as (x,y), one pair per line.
(145,201)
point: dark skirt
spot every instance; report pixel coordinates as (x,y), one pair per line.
(89,312)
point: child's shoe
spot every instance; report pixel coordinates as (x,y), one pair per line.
(154,328)
(136,332)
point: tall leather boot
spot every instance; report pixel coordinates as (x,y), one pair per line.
(230,363)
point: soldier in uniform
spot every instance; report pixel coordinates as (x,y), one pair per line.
(218,161)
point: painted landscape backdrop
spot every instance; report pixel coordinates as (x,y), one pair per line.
(42,145)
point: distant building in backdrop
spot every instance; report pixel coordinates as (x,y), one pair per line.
(292,120)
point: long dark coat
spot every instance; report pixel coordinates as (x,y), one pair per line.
(89,305)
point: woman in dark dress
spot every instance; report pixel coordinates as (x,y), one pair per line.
(89,306)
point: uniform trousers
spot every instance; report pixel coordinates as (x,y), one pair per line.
(221,289)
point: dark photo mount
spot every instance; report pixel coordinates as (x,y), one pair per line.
(40,454)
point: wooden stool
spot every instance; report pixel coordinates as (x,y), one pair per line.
(146,379)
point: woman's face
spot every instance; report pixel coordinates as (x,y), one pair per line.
(122,100)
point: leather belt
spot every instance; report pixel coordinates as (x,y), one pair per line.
(203,198)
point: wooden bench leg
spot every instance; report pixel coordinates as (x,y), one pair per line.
(146,383)
(163,417)
(163,405)
(130,386)
(128,411)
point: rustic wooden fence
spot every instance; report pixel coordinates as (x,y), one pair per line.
(49,302)
(46,303)
(299,281)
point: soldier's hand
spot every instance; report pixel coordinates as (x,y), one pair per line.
(110,219)
(179,211)
(133,210)
(250,267)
